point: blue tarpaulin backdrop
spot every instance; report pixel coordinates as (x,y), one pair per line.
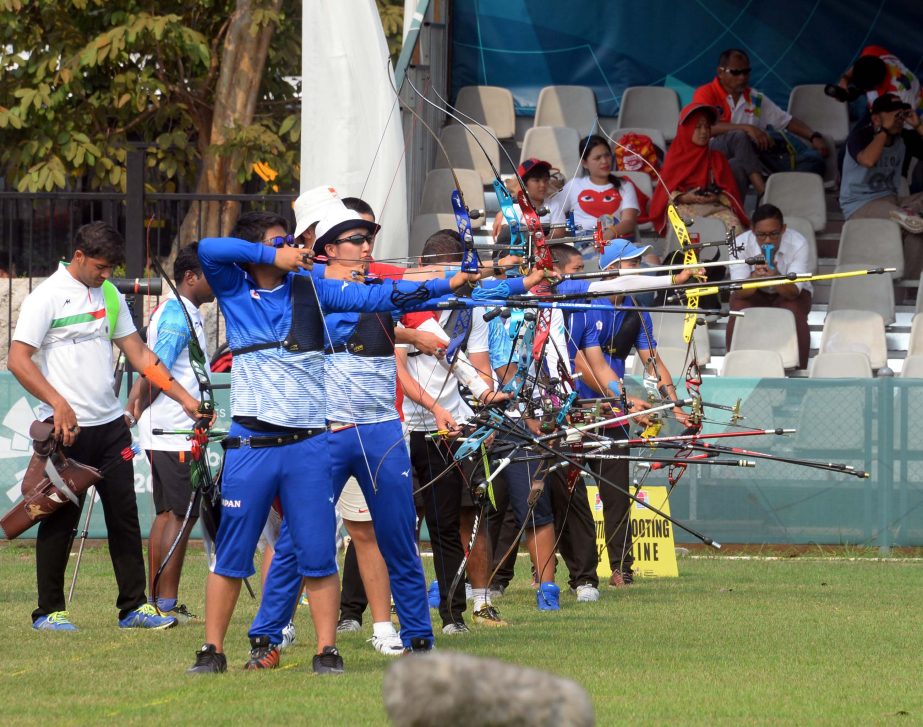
(610,44)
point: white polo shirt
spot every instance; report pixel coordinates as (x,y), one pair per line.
(792,256)
(67,322)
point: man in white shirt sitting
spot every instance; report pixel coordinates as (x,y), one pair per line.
(785,251)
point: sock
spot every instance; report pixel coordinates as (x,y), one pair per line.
(480,597)
(166,604)
(383,628)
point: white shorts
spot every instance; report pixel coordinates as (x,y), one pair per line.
(352,505)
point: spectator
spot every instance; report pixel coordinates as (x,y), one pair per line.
(759,145)
(696,178)
(872,173)
(785,251)
(536,174)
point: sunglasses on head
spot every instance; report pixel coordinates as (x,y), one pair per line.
(281,241)
(357,239)
(738,71)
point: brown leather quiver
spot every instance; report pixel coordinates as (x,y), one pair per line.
(51,482)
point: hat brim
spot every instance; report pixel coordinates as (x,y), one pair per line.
(534,168)
(634,254)
(338,229)
(713,112)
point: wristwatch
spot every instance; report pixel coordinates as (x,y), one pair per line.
(129,419)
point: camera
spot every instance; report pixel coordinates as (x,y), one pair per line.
(845,95)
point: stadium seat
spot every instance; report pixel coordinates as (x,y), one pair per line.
(461,143)
(753,364)
(673,358)
(557,145)
(425,225)
(915,344)
(491,106)
(855,330)
(650,107)
(642,180)
(819,111)
(655,135)
(918,308)
(573,106)
(913,367)
(864,293)
(767,329)
(800,224)
(668,331)
(708,229)
(799,194)
(869,243)
(438,187)
(849,365)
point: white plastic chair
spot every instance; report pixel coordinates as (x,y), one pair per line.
(573,106)
(767,329)
(425,225)
(651,107)
(913,367)
(846,365)
(865,292)
(800,224)
(822,113)
(799,194)
(438,187)
(461,143)
(557,145)
(753,364)
(872,243)
(855,331)
(490,105)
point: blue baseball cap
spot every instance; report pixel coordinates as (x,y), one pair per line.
(620,250)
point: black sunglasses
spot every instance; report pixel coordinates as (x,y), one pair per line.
(281,241)
(356,239)
(738,71)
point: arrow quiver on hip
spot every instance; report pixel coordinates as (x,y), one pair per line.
(52,480)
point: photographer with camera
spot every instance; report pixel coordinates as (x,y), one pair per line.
(875,154)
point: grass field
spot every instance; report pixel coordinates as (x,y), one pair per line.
(801,640)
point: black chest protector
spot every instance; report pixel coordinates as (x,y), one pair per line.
(620,344)
(373,337)
(307,329)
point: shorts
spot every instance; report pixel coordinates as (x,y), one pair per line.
(352,505)
(171,481)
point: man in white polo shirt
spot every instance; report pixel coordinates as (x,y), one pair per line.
(69,323)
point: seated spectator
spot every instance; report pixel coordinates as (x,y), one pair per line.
(875,73)
(872,174)
(597,195)
(536,174)
(750,130)
(785,251)
(697,179)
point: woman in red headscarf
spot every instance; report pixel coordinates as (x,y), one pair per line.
(697,179)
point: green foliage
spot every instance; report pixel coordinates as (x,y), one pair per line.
(81,80)
(392,20)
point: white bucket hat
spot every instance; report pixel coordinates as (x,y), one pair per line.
(311,205)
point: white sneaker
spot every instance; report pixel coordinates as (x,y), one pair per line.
(587,593)
(390,645)
(909,220)
(288,636)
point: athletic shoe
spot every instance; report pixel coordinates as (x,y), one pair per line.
(433,594)
(390,645)
(909,220)
(453,629)
(182,614)
(348,625)
(621,579)
(548,597)
(419,645)
(56,621)
(288,636)
(328,662)
(587,593)
(263,655)
(488,616)
(146,617)
(208,661)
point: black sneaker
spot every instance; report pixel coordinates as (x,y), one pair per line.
(263,655)
(419,645)
(328,662)
(208,661)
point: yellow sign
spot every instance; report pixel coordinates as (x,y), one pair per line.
(651,536)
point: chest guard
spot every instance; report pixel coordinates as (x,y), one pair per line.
(620,344)
(307,329)
(373,337)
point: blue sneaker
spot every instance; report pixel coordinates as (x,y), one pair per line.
(548,597)
(57,621)
(146,617)
(433,594)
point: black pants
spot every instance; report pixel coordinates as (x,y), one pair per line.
(352,596)
(442,503)
(99,447)
(503,529)
(616,508)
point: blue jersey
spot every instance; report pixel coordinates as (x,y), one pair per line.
(276,385)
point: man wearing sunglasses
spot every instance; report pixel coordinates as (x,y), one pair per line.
(750,130)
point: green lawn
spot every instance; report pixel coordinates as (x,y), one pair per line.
(793,641)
